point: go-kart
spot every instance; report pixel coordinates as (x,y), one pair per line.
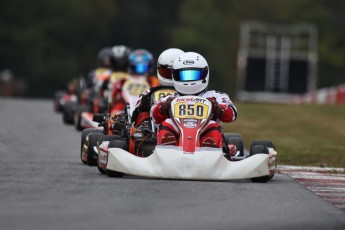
(132,88)
(140,140)
(84,113)
(61,98)
(64,98)
(189,160)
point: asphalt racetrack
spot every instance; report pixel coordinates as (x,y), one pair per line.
(44,185)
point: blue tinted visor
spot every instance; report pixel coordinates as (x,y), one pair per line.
(140,68)
(190,74)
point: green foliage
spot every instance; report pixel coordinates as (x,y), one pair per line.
(212,26)
(49,42)
(57,40)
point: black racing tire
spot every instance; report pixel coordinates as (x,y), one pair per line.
(111,173)
(85,133)
(107,138)
(102,171)
(56,103)
(116,144)
(77,116)
(235,139)
(91,155)
(232,135)
(268,144)
(258,147)
(68,114)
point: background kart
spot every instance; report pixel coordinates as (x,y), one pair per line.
(131,90)
(140,140)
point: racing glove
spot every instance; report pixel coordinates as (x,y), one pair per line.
(165,106)
(117,122)
(162,110)
(223,112)
(216,109)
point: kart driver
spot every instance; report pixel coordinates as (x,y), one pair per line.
(164,67)
(119,65)
(140,66)
(191,77)
(103,71)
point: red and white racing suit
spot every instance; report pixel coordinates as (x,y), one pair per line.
(222,108)
(119,102)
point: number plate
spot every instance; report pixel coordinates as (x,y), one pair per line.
(135,88)
(163,93)
(196,110)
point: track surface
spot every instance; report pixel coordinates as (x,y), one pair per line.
(43,185)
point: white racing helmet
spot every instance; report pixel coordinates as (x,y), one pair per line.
(190,73)
(164,65)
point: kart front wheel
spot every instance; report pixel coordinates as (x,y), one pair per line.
(116,144)
(111,173)
(261,147)
(101,170)
(84,134)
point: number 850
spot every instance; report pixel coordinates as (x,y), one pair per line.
(190,110)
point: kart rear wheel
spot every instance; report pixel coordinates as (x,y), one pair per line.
(232,135)
(77,116)
(261,147)
(57,96)
(84,134)
(91,155)
(268,144)
(67,114)
(235,139)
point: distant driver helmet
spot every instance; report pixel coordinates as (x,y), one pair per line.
(164,65)
(104,57)
(120,54)
(140,62)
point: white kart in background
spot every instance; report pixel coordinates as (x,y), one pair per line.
(190,161)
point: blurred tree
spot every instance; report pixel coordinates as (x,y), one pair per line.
(145,24)
(52,41)
(212,28)
(201,28)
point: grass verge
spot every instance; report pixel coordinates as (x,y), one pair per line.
(310,135)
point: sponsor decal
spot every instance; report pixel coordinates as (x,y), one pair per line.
(103,157)
(188,62)
(84,156)
(191,99)
(225,100)
(190,123)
